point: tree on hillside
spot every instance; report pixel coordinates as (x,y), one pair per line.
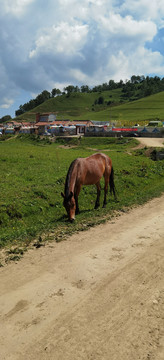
(6,118)
(99,101)
(70,89)
(137,79)
(151,85)
(97,88)
(128,89)
(120,84)
(55,92)
(85,89)
(112,85)
(45,95)
(105,87)
(20,111)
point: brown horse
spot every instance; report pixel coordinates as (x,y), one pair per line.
(87,171)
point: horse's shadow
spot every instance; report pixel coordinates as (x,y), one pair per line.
(64,217)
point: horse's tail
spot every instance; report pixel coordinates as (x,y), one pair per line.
(111,183)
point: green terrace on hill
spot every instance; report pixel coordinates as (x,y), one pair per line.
(102,106)
(140,111)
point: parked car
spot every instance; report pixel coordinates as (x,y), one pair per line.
(133,135)
(47,133)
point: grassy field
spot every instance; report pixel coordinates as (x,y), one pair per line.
(33,174)
(79,106)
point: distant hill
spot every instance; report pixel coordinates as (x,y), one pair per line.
(102,106)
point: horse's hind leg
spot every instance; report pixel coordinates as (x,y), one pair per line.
(97,203)
(106,178)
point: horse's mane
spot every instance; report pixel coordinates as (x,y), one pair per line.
(68,178)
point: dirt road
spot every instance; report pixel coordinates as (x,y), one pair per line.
(152,142)
(98,296)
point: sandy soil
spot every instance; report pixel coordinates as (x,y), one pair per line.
(152,142)
(98,296)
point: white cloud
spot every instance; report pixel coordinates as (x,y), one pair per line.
(72,9)
(78,75)
(128,27)
(145,9)
(65,38)
(123,66)
(153,61)
(15,7)
(6,103)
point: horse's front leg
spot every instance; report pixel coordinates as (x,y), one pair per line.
(76,199)
(77,205)
(97,203)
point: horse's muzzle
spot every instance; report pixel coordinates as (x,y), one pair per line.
(72,220)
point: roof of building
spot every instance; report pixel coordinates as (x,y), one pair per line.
(63,123)
(47,113)
(44,123)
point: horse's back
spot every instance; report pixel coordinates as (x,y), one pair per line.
(100,158)
(92,168)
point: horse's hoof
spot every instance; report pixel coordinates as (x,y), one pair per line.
(72,220)
(96,206)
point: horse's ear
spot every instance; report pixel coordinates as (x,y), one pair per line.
(62,195)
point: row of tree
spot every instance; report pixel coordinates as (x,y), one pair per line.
(135,88)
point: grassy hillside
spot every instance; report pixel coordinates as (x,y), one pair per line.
(81,106)
(75,106)
(140,111)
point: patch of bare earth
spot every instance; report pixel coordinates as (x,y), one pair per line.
(150,142)
(67,146)
(99,295)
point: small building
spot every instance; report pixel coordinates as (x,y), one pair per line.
(28,129)
(9,130)
(42,127)
(45,117)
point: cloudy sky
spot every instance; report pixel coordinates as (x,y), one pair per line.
(55,43)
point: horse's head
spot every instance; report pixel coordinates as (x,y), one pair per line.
(70,205)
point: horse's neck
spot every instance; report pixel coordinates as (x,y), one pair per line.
(73,179)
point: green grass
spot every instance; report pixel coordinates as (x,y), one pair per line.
(80,106)
(33,174)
